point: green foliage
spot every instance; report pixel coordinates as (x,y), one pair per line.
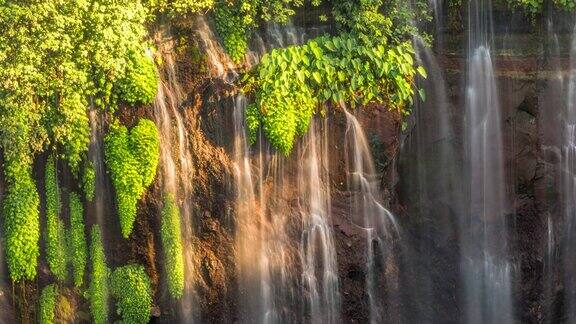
(236,19)
(48,304)
(292,82)
(140,81)
(564,4)
(132,160)
(21,220)
(115,32)
(179,7)
(98,290)
(54,56)
(77,241)
(55,234)
(130,286)
(172,244)
(89,181)
(536,6)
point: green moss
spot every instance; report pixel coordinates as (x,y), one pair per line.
(77,239)
(98,291)
(48,299)
(132,160)
(55,234)
(170,232)
(130,286)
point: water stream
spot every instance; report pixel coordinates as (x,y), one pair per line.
(318,253)
(486,266)
(176,163)
(380,225)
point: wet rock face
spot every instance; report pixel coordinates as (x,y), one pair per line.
(6,309)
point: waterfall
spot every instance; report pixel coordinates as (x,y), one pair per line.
(271,265)
(176,163)
(318,253)
(253,276)
(379,223)
(219,63)
(568,182)
(487,270)
(95,155)
(431,186)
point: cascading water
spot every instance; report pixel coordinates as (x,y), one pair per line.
(265,251)
(568,183)
(379,223)
(251,263)
(318,253)
(487,270)
(220,64)
(97,160)
(267,257)
(431,187)
(176,164)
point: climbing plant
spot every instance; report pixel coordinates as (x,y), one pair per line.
(131,288)
(78,247)
(55,233)
(172,244)
(48,304)
(132,159)
(98,290)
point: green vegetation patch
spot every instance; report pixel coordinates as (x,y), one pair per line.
(98,290)
(130,286)
(89,181)
(48,299)
(21,221)
(77,241)
(170,232)
(139,83)
(55,233)
(291,83)
(132,159)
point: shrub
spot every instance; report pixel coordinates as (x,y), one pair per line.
(172,243)
(77,239)
(130,286)
(89,181)
(55,234)
(292,82)
(21,221)
(139,83)
(132,160)
(98,290)
(48,304)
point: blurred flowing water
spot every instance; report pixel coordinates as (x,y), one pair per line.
(486,266)
(369,212)
(176,164)
(568,184)
(318,253)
